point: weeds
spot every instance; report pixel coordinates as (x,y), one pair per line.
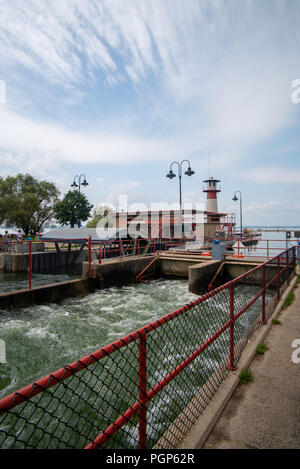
(289,300)
(261,348)
(246,377)
(276,321)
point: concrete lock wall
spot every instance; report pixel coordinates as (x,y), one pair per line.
(42,261)
(47,293)
(119,272)
(123,271)
(234,269)
(201,274)
(176,267)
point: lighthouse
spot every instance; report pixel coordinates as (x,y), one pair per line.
(211,188)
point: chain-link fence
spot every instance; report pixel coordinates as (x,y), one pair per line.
(147,389)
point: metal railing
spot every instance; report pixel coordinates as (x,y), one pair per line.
(100,251)
(31,257)
(147,389)
(265,248)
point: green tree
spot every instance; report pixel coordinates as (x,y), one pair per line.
(26,202)
(72,206)
(100,217)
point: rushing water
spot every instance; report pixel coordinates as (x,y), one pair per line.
(40,339)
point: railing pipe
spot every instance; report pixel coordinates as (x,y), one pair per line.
(287,268)
(263,296)
(90,256)
(143,391)
(30,264)
(231,329)
(278,279)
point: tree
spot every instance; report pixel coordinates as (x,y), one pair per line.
(72,206)
(100,217)
(26,203)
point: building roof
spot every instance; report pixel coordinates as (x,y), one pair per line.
(79,235)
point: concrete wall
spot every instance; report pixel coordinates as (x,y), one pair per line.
(113,272)
(119,272)
(234,269)
(201,274)
(42,261)
(176,267)
(47,293)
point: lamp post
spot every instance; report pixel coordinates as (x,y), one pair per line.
(172,175)
(235,198)
(74,185)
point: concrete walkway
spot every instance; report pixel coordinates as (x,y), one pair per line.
(264,414)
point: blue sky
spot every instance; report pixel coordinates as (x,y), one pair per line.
(118,89)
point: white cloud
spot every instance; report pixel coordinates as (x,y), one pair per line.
(22,135)
(203,78)
(272,175)
(264,207)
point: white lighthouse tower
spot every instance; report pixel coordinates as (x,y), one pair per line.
(211,188)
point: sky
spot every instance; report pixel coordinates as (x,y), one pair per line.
(119,89)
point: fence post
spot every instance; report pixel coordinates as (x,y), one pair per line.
(267,249)
(263,310)
(90,257)
(143,390)
(287,267)
(231,330)
(294,257)
(278,279)
(121,249)
(30,264)
(100,253)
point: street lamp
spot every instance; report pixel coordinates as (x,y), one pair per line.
(172,175)
(235,198)
(74,185)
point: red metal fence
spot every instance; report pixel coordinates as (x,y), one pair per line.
(265,248)
(147,389)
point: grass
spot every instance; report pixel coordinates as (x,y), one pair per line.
(276,321)
(261,348)
(246,377)
(289,300)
